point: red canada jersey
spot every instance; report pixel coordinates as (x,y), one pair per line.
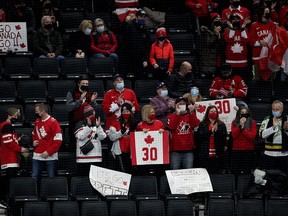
(156,125)
(242,12)
(236,47)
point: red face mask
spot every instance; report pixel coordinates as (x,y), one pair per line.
(212,115)
(152,117)
(92,119)
(126,115)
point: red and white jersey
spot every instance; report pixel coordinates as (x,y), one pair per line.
(156,125)
(236,83)
(49,135)
(9,146)
(242,12)
(182,127)
(84,134)
(236,47)
(261,31)
(112,109)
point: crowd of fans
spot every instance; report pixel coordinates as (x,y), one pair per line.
(231,39)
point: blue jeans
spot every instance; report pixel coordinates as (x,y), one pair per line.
(38,166)
(59,58)
(184,158)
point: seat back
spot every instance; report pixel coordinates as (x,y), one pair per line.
(276,207)
(22,186)
(145,89)
(65,208)
(180,207)
(36,209)
(18,67)
(58,89)
(90,207)
(8,91)
(73,67)
(145,186)
(81,186)
(54,188)
(46,68)
(60,113)
(220,207)
(151,208)
(101,67)
(31,91)
(250,207)
(223,184)
(123,207)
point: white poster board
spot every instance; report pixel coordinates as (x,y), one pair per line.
(187,181)
(13,37)
(109,182)
(226,110)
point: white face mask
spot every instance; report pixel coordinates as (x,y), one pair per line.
(87,31)
(120,85)
(164,93)
(182,108)
(100,29)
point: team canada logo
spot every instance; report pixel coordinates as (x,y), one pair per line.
(183,128)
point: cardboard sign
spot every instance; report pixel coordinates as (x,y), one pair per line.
(109,182)
(13,37)
(225,107)
(187,181)
(149,148)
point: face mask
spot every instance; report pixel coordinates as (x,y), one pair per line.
(48,27)
(87,31)
(126,115)
(161,38)
(212,115)
(37,115)
(245,115)
(84,88)
(194,92)
(182,108)
(164,93)
(267,16)
(152,117)
(276,114)
(236,25)
(120,85)
(141,22)
(47,6)
(100,29)
(13,120)
(236,4)
(217,23)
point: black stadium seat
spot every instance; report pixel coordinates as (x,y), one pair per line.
(89,208)
(36,209)
(65,208)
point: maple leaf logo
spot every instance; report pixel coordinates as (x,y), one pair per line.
(149,139)
(124,183)
(201,109)
(22,45)
(237,48)
(17,27)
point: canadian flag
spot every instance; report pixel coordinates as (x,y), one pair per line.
(149,148)
(279,54)
(126,3)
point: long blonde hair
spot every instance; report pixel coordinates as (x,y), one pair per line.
(145,112)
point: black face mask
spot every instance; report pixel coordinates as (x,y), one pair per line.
(21,8)
(236,4)
(267,16)
(13,120)
(84,88)
(47,6)
(245,115)
(161,38)
(37,115)
(48,27)
(236,25)
(217,23)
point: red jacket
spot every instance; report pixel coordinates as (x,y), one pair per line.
(236,47)
(203,10)
(242,12)
(156,125)
(110,99)
(236,83)
(106,43)
(162,52)
(9,146)
(124,141)
(243,139)
(182,127)
(49,135)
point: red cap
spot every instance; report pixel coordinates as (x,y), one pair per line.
(161,32)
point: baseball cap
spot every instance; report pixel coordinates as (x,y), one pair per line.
(160,85)
(140,13)
(116,76)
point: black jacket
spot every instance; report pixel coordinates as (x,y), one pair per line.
(178,85)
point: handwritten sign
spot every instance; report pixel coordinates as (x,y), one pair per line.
(109,182)
(225,107)
(149,148)
(187,181)
(13,37)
